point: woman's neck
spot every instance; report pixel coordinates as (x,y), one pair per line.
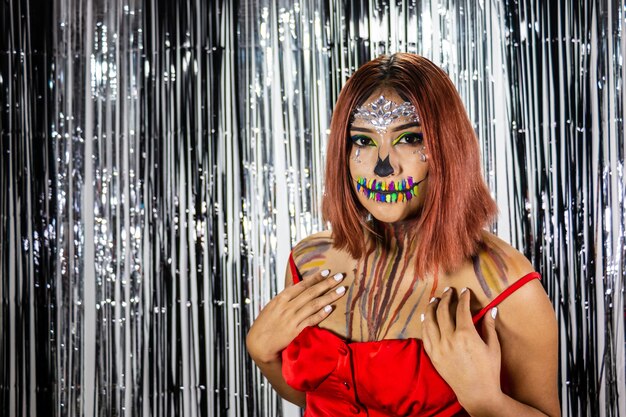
(399,235)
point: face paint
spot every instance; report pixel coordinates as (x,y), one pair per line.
(382,112)
(383,167)
(388,191)
(356,156)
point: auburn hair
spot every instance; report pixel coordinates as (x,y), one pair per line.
(457,203)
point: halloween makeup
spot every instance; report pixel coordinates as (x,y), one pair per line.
(383,112)
(385,136)
(383,167)
(388,191)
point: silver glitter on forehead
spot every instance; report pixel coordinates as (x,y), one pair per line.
(382,112)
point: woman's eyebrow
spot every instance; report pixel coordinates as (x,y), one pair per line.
(368,130)
(406,125)
(361,129)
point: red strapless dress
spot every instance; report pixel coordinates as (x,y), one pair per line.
(390,378)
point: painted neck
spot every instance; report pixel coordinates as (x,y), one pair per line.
(395,235)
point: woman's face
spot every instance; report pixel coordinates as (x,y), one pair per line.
(388,160)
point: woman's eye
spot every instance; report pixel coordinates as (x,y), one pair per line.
(411,138)
(361,140)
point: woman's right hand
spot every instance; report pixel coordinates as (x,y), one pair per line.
(304,304)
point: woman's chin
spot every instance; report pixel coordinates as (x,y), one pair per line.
(391,212)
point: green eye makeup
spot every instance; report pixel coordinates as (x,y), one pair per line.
(411,138)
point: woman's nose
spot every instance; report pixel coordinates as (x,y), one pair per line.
(383,167)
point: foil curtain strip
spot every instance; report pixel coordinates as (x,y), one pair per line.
(28,364)
(159,159)
(567,117)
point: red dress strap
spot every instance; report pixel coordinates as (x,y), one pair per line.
(295,275)
(504,294)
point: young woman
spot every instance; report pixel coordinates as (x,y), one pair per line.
(408,307)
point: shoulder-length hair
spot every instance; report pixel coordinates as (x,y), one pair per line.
(457,202)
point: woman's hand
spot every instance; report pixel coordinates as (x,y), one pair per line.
(301,305)
(468,364)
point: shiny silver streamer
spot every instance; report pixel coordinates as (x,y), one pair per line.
(159,159)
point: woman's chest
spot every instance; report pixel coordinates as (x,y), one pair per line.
(380,302)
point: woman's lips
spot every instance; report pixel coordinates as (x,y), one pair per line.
(388,191)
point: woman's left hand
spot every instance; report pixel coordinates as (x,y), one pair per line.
(469,364)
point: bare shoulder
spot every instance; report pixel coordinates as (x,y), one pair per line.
(496,266)
(527,330)
(528,300)
(316,252)
(515,264)
(321,241)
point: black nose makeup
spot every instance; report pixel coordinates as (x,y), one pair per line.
(383,167)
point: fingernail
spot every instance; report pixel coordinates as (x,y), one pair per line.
(463,290)
(327,309)
(338,277)
(432,300)
(422,317)
(446,289)
(325,273)
(494,312)
(340,290)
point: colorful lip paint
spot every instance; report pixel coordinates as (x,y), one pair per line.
(387,191)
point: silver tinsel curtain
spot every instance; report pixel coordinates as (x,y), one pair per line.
(159,159)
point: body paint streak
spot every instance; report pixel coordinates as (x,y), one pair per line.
(490,269)
(407,294)
(357,297)
(402,334)
(383,270)
(377,316)
(311,255)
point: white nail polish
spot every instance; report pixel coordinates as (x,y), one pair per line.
(325,273)
(422,317)
(328,309)
(446,289)
(432,300)
(340,290)
(338,277)
(463,290)
(494,312)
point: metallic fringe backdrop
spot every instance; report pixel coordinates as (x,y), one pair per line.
(159,159)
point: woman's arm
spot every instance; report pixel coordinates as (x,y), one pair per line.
(513,372)
(274,374)
(299,305)
(527,330)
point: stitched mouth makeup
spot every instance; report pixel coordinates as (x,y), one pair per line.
(388,191)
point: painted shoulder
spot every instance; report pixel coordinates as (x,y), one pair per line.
(515,262)
(312,252)
(497,265)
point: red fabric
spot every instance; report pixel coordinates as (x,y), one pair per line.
(388,378)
